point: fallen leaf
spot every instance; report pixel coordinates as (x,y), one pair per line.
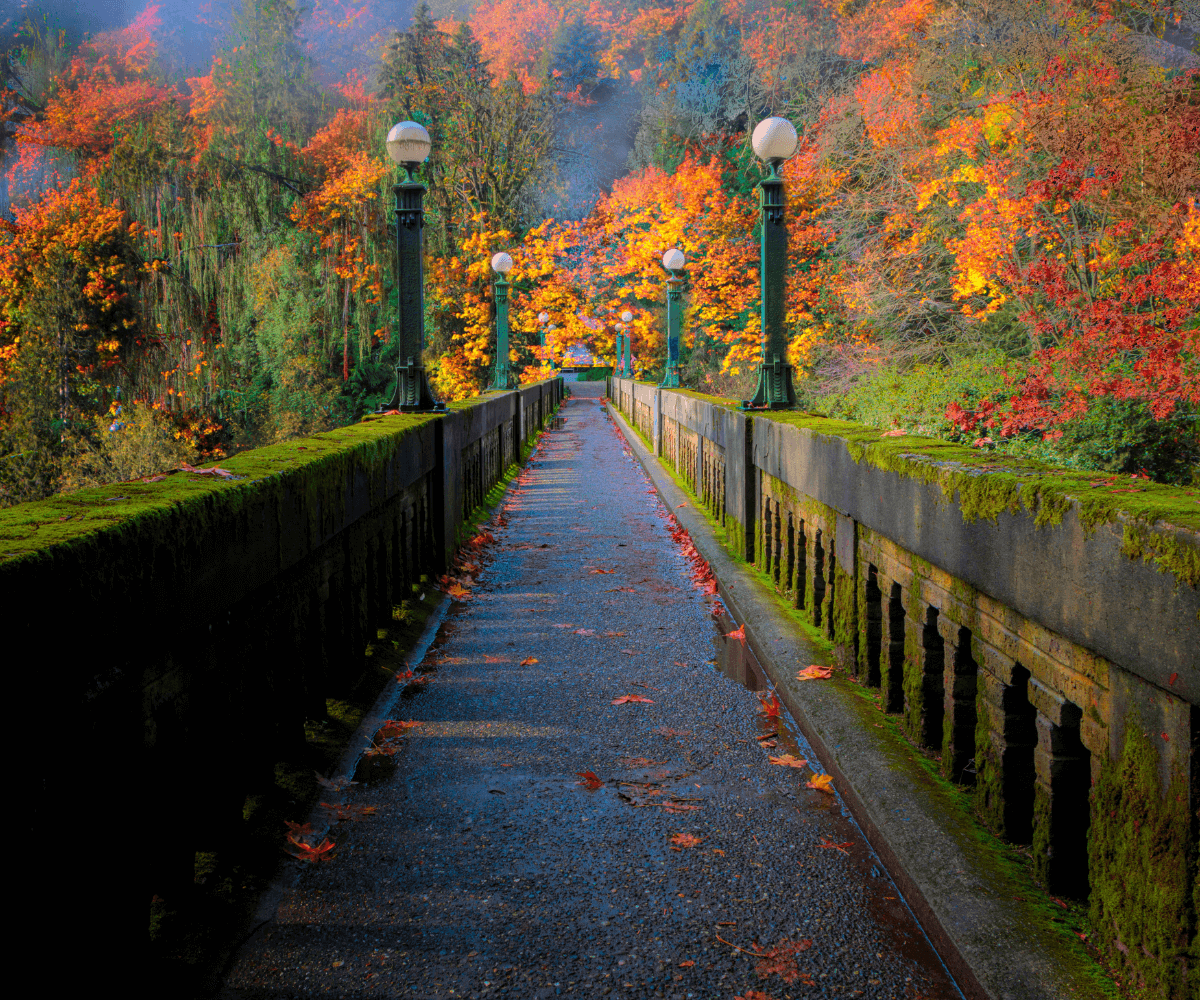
(686,965)
(830,845)
(339,963)
(584,631)
(308,852)
(738,633)
(679,807)
(788,760)
(815,673)
(821,783)
(590,781)
(1171,680)
(529,661)
(770,706)
(718,609)
(677,508)
(682,840)
(680,663)
(493,659)
(717,850)
(781,960)
(458,592)
(612,635)
(597,572)
(1055,899)
(625,698)
(767,736)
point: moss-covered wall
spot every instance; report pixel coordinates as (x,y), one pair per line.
(184,629)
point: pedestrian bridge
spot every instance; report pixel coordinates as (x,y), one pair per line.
(1015,677)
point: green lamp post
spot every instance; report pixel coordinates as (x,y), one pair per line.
(619,364)
(672,263)
(774,140)
(627,318)
(624,339)
(408,145)
(502,379)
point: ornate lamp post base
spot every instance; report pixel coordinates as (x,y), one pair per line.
(774,390)
(413,394)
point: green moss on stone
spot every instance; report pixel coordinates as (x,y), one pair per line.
(989,772)
(1142,868)
(986,485)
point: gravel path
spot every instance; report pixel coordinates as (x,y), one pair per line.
(488,869)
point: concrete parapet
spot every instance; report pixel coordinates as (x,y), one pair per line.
(188,627)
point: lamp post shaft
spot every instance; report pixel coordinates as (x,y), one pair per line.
(502,379)
(619,370)
(629,372)
(412,383)
(774,390)
(674,321)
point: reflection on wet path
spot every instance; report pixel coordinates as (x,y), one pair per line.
(585,803)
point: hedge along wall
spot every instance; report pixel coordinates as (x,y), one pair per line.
(175,635)
(1037,626)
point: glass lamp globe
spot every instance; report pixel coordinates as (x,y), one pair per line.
(408,142)
(626,316)
(502,263)
(673,259)
(542,317)
(774,139)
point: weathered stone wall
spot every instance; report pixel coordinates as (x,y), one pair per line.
(177,634)
(1022,633)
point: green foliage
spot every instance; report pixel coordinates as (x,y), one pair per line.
(131,442)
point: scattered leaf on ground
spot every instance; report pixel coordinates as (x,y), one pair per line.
(584,631)
(632,697)
(679,807)
(308,852)
(686,965)
(458,592)
(821,782)
(788,760)
(770,706)
(830,845)
(493,659)
(815,673)
(781,960)
(529,661)
(738,633)
(596,572)
(682,840)
(590,780)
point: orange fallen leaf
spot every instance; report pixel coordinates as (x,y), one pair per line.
(717,850)
(677,508)
(686,965)
(625,698)
(596,572)
(788,760)
(770,706)
(738,633)
(590,780)
(529,661)
(308,852)
(493,659)
(830,845)
(821,783)
(458,592)
(682,840)
(815,673)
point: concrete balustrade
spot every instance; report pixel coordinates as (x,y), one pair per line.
(167,640)
(1019,619)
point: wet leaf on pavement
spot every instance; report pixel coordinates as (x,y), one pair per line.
(788,760)
(815,673)
(590,780)
(681,840)
(821,782)
(626,698)
(529,661)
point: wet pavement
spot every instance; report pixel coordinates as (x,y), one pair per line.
(692,866)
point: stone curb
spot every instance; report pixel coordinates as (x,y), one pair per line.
(986,938)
